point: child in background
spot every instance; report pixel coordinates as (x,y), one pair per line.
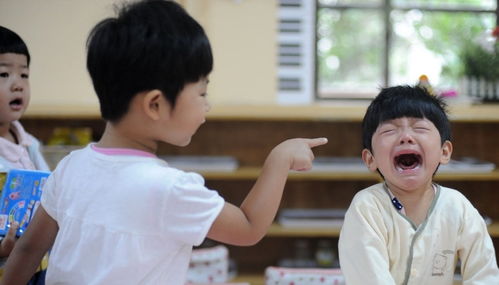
(409,230)
(18,149)
(115,213)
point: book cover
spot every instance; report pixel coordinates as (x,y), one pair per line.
(21,193)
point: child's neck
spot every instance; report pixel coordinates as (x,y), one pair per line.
(114,137)
(7,133)
(416,203)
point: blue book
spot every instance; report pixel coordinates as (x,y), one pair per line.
(21,193)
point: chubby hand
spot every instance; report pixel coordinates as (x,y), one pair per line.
(9,240)
(299,152)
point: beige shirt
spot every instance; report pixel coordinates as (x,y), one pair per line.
(380,245)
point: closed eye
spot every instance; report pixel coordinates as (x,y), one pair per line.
(387,132)
(386,129)
(421,129)
(422,124)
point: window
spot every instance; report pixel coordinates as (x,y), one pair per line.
(362,45)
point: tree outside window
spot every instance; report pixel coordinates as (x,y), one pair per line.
(362,45)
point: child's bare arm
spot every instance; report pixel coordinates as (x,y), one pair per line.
(30,249)
(247,224)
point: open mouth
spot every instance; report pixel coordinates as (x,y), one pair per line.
(16,103)
(407,161)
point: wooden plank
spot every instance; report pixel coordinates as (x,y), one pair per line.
(331,111)
(277,230)
(252,173)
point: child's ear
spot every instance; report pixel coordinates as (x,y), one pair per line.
(446,152)
(369,160)
(154,103)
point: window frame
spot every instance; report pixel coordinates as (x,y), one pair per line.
(387,6)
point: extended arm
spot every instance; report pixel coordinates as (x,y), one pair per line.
(247,224)
(30,249)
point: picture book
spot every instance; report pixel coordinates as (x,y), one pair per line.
(21,193)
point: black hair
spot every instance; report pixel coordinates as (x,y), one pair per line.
(151,44)
(405,101)
(10,42)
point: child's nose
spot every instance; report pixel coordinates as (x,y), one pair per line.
(406,137)
(17,85)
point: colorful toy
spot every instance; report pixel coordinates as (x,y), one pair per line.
(21,195)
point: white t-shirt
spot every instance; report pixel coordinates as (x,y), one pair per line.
(380,245)
(125,219)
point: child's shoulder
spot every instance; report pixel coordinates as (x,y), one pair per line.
(373,190)
(373,194)
(158,173)
(453,205)
(453,197)
(147,168)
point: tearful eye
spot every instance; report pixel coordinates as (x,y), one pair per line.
(407,161)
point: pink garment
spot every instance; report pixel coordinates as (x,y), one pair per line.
(121,151)
(17,154)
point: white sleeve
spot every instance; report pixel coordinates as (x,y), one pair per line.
(362,246)
(192,209)
(50,192)
(48,199)
(476,251)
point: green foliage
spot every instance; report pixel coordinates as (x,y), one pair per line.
(480,63)
(357,41)
(451,33)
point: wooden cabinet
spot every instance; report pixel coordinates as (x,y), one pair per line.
(250,132)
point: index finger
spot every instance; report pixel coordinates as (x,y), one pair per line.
(11,233)
(316,142)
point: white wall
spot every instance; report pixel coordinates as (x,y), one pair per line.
(242,33)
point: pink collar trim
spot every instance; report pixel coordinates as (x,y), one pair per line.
(121,151)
